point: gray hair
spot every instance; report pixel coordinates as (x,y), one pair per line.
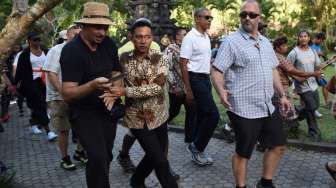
(251,1)
(198,12)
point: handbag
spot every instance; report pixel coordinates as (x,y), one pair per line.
(321,82)
(118,110)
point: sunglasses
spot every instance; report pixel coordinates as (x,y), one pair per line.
(37,40)
(251,15)
(207,17)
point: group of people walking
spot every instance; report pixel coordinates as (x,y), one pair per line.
(88,86)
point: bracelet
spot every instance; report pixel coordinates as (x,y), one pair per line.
(282,95)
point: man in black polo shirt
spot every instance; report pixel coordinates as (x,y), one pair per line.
(86,63)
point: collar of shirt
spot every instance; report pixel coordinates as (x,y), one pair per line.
(148,55)
(247,36)
(194,30)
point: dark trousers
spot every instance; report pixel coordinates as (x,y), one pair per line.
(20,99)
(96,132)
(206,109)
(36,101)
(153,142)
(311,102)
(190,116)
(5,101)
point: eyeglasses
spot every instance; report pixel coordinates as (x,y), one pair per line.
(251,15)
(207,17)
(37,40)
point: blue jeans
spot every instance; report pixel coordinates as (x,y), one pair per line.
(206,110)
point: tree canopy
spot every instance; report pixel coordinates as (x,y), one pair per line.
(283,17)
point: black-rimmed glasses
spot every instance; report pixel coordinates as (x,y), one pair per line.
(251,15)
(207,17)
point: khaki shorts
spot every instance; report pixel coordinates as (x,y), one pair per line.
(59,115)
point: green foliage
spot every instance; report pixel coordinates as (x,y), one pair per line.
(183,13)
(283,17)
(5,10)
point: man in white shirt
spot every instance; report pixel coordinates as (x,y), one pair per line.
(195,59)
(56,104)
(30,79)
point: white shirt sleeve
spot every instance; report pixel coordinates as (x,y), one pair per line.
(16,59)
(186,47)
(52,63)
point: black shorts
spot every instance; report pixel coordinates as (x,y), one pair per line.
(268,131)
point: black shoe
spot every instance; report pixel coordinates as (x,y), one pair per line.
(314,137)
(261,148)
(80,156)
(67,164)
(1,128)
(126,163)
(175,176)
(134,185)
(74,140)
(258,185)
(21,113)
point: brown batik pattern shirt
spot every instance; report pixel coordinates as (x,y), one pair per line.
(284,66)
(174,75)
(146,87)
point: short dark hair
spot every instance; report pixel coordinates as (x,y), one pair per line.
(177,30)
(320,36)
(303,31)
(279,41)
(198,12)
(141,22)
(32,35)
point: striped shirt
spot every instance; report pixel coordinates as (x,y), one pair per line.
(247,64)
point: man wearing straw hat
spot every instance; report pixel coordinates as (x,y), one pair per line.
(86,63)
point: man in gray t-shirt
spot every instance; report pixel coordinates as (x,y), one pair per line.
(306,59)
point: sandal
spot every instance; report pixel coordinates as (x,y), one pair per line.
(331,172)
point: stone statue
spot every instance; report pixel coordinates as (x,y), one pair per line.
(158,12)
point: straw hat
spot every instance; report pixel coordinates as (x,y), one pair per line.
(95,13)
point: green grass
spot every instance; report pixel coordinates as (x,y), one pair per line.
(327,123)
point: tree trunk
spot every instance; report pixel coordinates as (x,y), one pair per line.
(19,23)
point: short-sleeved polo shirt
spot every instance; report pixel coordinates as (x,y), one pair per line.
(196,48)
(80,64)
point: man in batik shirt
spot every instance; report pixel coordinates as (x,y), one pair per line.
(146,104)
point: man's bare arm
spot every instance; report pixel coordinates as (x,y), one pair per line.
(53,78)
(218,82)
(71,91)
(186,81)
(277,83)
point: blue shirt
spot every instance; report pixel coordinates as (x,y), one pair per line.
(316,47)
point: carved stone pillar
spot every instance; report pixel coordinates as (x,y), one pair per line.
(157,11)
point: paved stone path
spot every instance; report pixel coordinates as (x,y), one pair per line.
(36,162)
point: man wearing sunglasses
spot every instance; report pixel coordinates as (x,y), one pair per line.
(195,56)
(29,77)
(245,77)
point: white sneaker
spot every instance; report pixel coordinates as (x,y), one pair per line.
(36,130)
(51,136)
(318,114)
